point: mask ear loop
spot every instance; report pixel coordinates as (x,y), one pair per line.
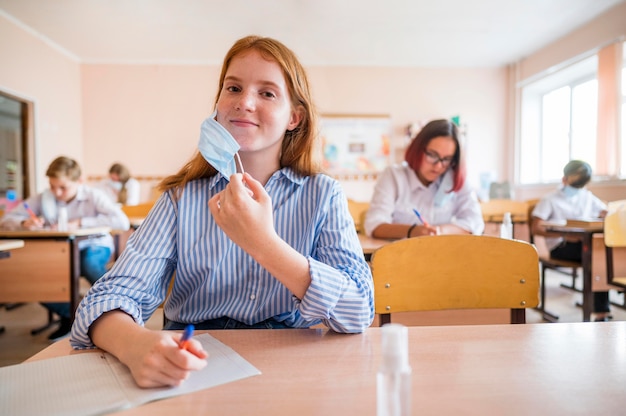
(239,161)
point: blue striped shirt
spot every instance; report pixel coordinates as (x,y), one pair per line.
(216,278)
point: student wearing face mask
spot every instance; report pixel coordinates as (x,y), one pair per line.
(274,247)
(427,194)
(570,201)
(121,187)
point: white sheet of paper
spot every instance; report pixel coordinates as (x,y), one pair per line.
(97,383)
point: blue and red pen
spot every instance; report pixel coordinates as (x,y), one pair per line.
(30,212)
(184,340)
(420,217)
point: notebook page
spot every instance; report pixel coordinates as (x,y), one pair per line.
(97,383)
(80,384)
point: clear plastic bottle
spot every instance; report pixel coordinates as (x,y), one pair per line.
(506,229)
(62,219)
(393,380)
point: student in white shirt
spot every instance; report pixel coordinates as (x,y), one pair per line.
(570,201)
(430,182)
(121,187)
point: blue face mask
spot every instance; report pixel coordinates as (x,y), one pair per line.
(218,147)
(570,191)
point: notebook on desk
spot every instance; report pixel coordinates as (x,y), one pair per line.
(98,383)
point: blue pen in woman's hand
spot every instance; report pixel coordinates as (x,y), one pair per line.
(420,217)
(184,340)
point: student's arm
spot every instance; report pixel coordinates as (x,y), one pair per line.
(398,231)
(153,357)
(19,217)
(467,214)
(104,212)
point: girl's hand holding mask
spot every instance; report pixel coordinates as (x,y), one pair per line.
(243,210)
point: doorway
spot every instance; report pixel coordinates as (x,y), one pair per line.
(17,178)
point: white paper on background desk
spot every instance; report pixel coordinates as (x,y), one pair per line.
(97,383)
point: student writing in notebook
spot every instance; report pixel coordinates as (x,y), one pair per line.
(430,182)
(274,247)
(571,200)
(85,207)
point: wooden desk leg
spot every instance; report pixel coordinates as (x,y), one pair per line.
(587,289)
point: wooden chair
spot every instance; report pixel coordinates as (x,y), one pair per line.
(357,211)
(494,209)
(546,262)
(614,236)
(136,214)
(140,210)
(455,272)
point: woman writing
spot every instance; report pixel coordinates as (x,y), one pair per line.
(427,194)
(274,247)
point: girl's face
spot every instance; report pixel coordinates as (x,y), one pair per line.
(63,188)
(254,105)
(438,156)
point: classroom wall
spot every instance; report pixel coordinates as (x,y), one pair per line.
(148,116)
(606,28)
(35,71)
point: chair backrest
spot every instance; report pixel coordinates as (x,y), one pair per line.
(614,236)
(455,272)
(140,210)
(531,204)
(357,211)
(494,209)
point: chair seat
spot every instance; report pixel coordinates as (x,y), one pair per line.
(551,262)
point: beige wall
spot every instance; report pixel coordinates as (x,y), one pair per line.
(148,116)
(33,70)
(608,27)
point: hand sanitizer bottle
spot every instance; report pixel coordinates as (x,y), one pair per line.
(62,219)
(393,381)
(506,229)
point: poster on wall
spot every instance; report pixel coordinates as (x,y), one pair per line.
(355,144)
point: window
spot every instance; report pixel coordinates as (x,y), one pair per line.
(558,122)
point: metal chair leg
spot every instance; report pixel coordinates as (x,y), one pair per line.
(51,322)
(546,315)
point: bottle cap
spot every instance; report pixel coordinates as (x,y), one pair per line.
(395,347)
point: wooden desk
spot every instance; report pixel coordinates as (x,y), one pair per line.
(5,252)
(7,245)
(47,268)
(370,244)
(543,369)
(135,222)
(586,236)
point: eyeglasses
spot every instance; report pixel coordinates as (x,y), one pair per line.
(433,158)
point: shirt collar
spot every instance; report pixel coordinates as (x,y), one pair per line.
(286,173)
